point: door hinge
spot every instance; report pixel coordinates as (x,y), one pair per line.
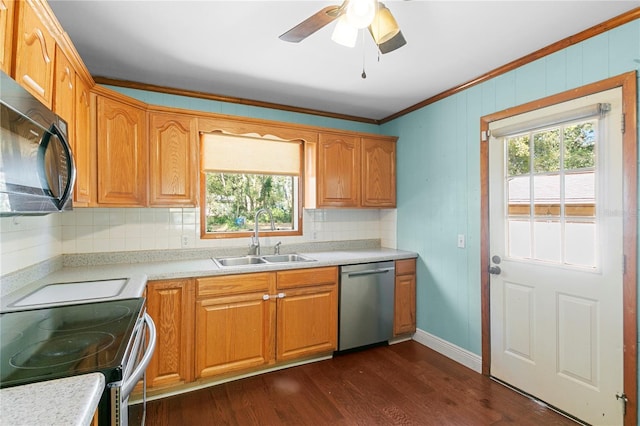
(622,125)
(623,397)
(483,136)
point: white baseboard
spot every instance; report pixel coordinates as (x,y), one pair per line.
(456,353)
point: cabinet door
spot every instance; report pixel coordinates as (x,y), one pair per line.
(378,173)
(64,86)
(122,154)
(35,50)
(307,322)
(233,333)
(170,303)
(83,144)
(7,10)
(405,297)
(235,323)
(307,314)
(172,166)
(338,171)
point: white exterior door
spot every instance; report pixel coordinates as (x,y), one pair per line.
(556,206)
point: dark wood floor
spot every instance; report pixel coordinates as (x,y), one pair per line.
(402,384)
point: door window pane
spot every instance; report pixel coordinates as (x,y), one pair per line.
(580,249)
(546,151)
(519,195)
(547,236)
(546,194)
(518,152)
(519,238)
(580,194)
(579,145)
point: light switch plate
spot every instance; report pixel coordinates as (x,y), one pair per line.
(461,242)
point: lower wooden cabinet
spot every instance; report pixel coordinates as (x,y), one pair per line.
(170,304)
(234,323)
(222,325)
(405,297)
(249,320)
(307,314)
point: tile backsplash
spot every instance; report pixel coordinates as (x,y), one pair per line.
(25,241)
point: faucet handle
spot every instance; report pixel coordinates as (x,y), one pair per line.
(276,248)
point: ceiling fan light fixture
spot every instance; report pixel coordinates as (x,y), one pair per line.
(384,26)
(360,13)
(344,33)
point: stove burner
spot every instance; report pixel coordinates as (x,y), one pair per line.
(62,350)
(84,317)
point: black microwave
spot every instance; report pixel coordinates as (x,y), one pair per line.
(37,171)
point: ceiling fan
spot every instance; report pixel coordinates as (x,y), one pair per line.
(352,15)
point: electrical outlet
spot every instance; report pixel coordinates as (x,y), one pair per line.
(461,242)
(187,240)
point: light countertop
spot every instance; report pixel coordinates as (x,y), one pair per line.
(69,401)
(191,268)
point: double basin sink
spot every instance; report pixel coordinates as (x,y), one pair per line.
(260,260)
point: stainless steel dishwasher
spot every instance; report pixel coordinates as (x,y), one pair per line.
(366,304)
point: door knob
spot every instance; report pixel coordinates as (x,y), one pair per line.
(495,270)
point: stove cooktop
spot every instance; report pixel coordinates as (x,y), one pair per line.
(61,341)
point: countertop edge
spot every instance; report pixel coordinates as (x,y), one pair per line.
(70,401)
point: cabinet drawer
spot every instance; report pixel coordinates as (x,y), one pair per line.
(234,284)
(307,277)
(405,267)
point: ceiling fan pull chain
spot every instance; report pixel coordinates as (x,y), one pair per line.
(364,74)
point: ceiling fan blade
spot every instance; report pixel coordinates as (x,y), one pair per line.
(395,42)
(312,24)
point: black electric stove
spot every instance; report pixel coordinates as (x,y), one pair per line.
(62,341)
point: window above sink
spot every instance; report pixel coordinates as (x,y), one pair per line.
(242,174)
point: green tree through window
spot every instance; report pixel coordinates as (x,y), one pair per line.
(578,141)
(233,198)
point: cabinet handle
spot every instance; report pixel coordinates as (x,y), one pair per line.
(275,296)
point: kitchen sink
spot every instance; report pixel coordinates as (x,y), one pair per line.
(278,258)
(239,261)
(259,260)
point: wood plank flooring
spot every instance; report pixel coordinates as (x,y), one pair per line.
(402,384)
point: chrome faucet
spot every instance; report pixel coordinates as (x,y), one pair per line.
(254,247)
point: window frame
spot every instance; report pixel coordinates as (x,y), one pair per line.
(253,132)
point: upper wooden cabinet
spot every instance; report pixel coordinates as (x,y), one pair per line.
(338,170)
(122,150)
(378,172)
(354,171)
(35,53)
(173,167)
(7,10)
(83,145)
(64,90)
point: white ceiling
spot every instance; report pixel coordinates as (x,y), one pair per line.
(231,48)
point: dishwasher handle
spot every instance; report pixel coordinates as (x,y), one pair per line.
(369,272)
